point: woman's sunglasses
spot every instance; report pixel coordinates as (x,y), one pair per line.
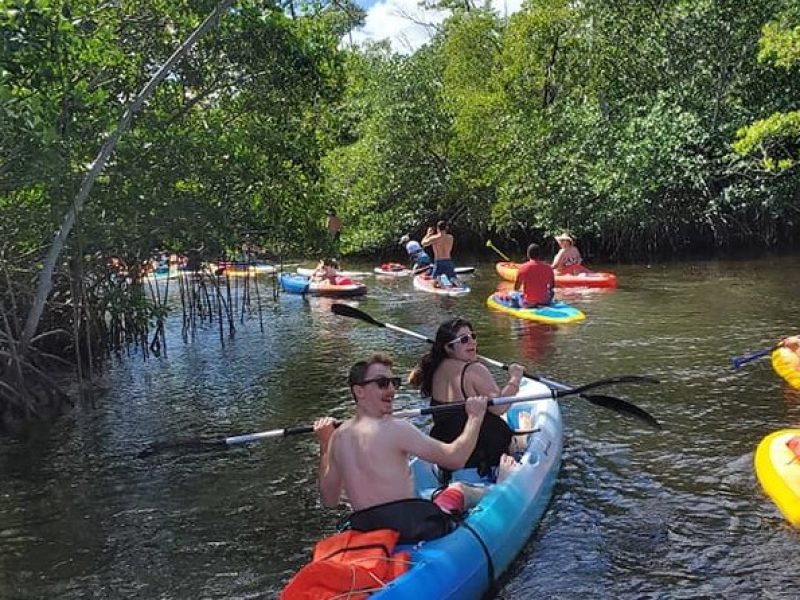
(383,381)
(463,339)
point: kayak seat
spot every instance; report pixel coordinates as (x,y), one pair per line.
(416,519)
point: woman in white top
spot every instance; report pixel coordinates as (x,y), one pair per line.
(568,259)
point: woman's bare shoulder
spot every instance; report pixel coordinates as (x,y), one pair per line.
(478,372)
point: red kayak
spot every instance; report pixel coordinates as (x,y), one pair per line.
(508,271)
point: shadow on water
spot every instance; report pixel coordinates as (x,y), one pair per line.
(635,513)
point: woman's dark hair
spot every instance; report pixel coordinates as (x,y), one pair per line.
(422,375)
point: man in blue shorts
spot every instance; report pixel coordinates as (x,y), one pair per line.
(442,244)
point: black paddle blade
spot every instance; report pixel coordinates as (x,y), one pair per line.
(609,381)
(624,408)
(345,310)
(193,444)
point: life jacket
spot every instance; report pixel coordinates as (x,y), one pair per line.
(351,564)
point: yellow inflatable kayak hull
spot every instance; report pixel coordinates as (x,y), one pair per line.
(787,364)
(507,270)
(778,470)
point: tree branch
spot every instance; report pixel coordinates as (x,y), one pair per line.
(45,280)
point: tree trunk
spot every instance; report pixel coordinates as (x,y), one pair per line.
(45,281)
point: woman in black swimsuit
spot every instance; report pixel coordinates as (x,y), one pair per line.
(450,372)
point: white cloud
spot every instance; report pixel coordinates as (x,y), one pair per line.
(402,22)
(408,26)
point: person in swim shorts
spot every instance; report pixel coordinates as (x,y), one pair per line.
(366,457)
(442,244)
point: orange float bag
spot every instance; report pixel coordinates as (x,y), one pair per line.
(351,564)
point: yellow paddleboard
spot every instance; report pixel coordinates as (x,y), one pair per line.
(558,312)
(778,470)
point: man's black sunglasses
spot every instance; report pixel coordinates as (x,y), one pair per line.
(383,381)
(463,339)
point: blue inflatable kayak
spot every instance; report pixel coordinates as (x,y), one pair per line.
(300,284)
(557,312)
(458,566)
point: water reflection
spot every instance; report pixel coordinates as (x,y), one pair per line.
(635,513)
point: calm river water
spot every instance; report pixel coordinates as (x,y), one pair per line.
(635,514)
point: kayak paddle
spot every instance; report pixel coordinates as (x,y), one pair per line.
(503,400)
(225,442)
(611,402)
(489,244)
(737,362)
(222,442)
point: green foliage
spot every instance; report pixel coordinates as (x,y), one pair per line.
(777,138)
(612,120)
(605,118)
(396,172)
(774,141)
(229,144)
(780,43)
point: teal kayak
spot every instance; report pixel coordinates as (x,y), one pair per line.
(459,566)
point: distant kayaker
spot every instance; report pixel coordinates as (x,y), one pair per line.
(442,244)
(536,280)
(418,258)
(367,457)
(451,372)
(568,259)
(334,225)
(792,343)
(326,270)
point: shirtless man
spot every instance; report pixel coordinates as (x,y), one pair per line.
(442,244)
(334,225)
(367,456)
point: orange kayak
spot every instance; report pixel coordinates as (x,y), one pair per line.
(508,271)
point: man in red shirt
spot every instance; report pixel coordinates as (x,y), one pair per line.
(536,279)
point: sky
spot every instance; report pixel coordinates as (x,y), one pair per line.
(405,24)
